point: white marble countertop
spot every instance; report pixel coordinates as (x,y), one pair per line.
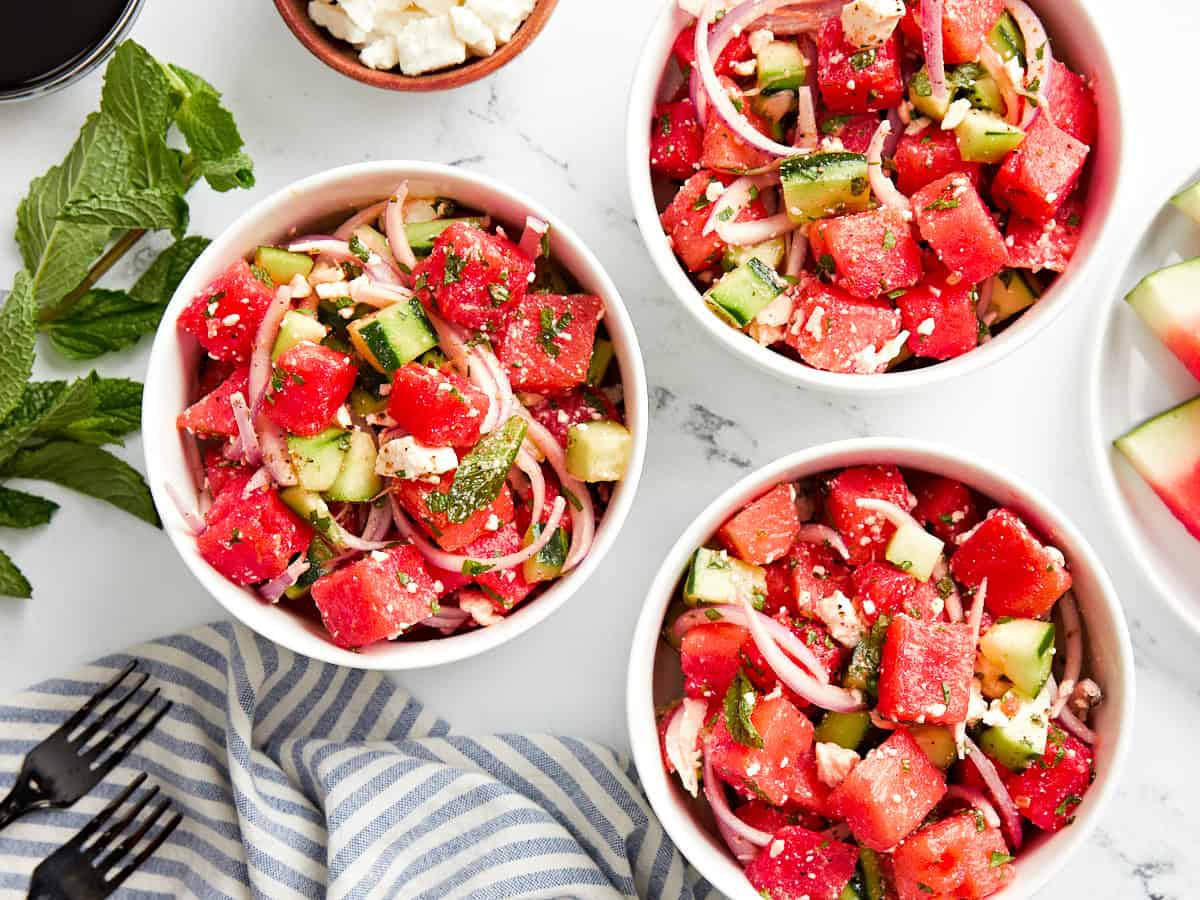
(552,124)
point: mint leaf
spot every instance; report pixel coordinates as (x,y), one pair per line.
(118,412)
(138,99)
(103,321)
(17,325)
(481,473)
(88,470)
(739,704)
(151,207)
(45,407)
(21,510)
(159,283)
(211,133)
(12,582)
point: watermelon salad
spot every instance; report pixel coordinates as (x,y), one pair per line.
(408,426)
(1166,450)
(885,692)
(864,186)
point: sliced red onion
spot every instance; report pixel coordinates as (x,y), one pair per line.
(797,253)
(504,391)
(531,238)
(1038,56)
(274,589)
(881,723)
(893,138)
(373,293)
(247,437)
(894,514)
(931,40)
(1010,819)
(378,521)
(364,216)
(974,797)
(275,454)
(682,741)
(447,620)
(537,483)
(264,343)
(583,513)
(799,21)
(193,520)
(807,134)
(259,481)
(741,838)
(975,620)
(451,341)
(1000,74)
(480,374)
(784,636)
(826,696)
(823,534)
(885,191)
(1073,661)
(984,305)
(324,245)
(953,600)
(1071,723)
(747,234)
(735,198)
(394,225)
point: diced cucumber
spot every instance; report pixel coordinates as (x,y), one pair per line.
(743,293)
(920,94)
(296,328)
(366,238)
(434,359)
(598,451)
(320,551)
(421,235)
(1188,201)
(1023,649)
(357,481)
(872,872)
(1164,449)
(825,184)
(985,137)
(844,729)
(770,253)
(774,108)
(602,355)
(1007,40)
(282,265)
(547,563)
(1021,741)
(781,67)
(394,336)
(716,577)
(1169,298)
(914,550)
(364,403)
(984,93)
(863,672)
(1012,291)
(938,743)
(318,459)
(851,891)
(312,509)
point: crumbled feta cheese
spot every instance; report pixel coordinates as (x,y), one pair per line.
(869,23)
(834,763)
(714,191)
(955,114)
(838,613)
(504,17)
(300,287)
(435,7)
(335,20)
(408,459)
(753,769)
(342,417)
(926,327)
(493,523)
(331,290)
(813,326)
(746,67)
(380,53)
(777,846)
(424,45)
(472,31)
(977,706)
(230,320)
(379,556)
(872,360)
(760,39)
(778,311)
(480,608)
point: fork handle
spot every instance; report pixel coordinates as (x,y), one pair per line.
(20,800)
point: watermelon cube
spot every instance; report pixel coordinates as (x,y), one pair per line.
(413,496)
(1025,577)
(224,317)
(1071,104)
(685,218)
(251,537)
(865,532)
(952,858)
(965,24)
(927,156)
(1037,246)
(737,51)
(439,409)
(1048,792)
(834,331)
(854,80)
(723,149)
(309,384)
(940,316)
(586,404)
(925,672)
(880,589)
(801,863)
(212,415)
(874,252)
(817,571)
(473,278)
(953,219)
(854,131)
(944,506)
(1166,452)
(676,140)
(710,656)
(771,819)
(1037,177)
(506,587)
(809,793)
(547,344)
(764,530)
(767,772)
(887,795)
(220,472)
(376,598)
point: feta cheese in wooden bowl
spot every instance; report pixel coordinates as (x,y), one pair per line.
(416,45)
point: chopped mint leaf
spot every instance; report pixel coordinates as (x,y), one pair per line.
(739,704)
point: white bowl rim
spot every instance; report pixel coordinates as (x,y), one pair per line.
(1100,450)
(238,602)
(717,865)
(1033,322)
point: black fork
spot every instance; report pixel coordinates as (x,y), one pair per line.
(63,767)
(87,869)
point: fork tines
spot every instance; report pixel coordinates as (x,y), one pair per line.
(94,753)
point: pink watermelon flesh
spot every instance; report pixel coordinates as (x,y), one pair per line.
(1166,452)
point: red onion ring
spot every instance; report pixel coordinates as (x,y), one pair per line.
(797,252)
(260,480)
(583,518)
(996,68)
(1010,819)
(372,293)
(785,637)
(194,521)
(324,245)
(275,454)
(931,41)
(379,519)
(974,797)
(394,226)
(975,620)
(447,620)
(740,837)
(451,341)
(264,343)
(807,135)
(734,199)
(1071,723)
(823,534)
(881,185)
(747,234)
(247,437)
(537,483)
(1073,661)
(682,741)
(953,600)
(364,216)
(531,238)
(1038,57)
(504,391)
(274,589)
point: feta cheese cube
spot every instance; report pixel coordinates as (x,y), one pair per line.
(472,31)
(424,45)
(407,459)
(869,23)
(380,52)
(360,12)
(838,613)
(334,20)
(435,7)
(834,763)
(504,17)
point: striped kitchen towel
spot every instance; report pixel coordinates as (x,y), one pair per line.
(301,779)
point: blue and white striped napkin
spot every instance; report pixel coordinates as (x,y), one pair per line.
(300,779)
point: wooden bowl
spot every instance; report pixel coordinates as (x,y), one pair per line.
(344,57)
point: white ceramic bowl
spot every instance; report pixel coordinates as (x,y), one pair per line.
(1133,377)
(171,378)
(654,677)
(1074,37)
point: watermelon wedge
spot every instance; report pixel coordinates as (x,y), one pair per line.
(1166,452)
(1169,303)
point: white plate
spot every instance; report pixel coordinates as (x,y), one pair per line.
(1133,378)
